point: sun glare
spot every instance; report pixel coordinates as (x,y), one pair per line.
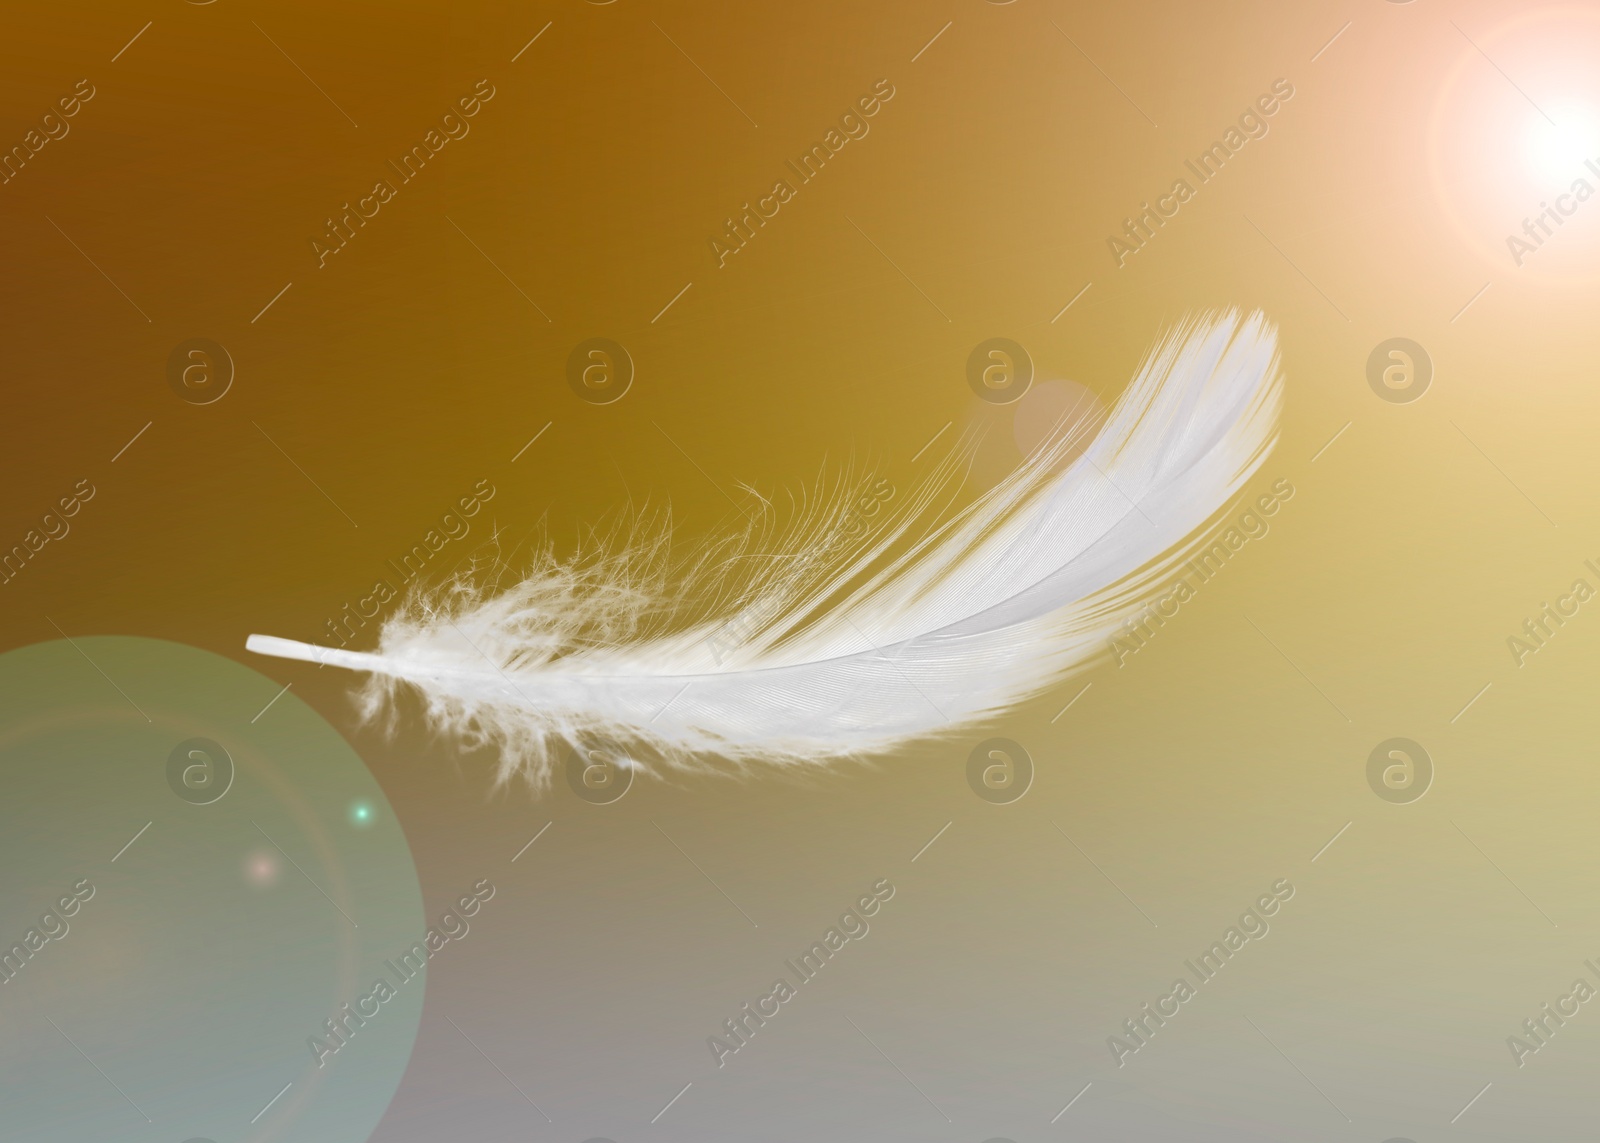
(1557,147)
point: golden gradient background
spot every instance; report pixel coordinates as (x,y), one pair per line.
(375,391)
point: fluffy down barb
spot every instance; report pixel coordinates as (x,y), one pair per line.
(851,640)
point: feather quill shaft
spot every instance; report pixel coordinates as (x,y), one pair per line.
(855,640)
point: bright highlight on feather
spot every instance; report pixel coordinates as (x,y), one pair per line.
(829,639)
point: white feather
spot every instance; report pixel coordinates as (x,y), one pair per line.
(850,640)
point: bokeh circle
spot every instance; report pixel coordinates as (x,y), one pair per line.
(176,951)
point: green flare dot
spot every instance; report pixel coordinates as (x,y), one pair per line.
(185,903)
